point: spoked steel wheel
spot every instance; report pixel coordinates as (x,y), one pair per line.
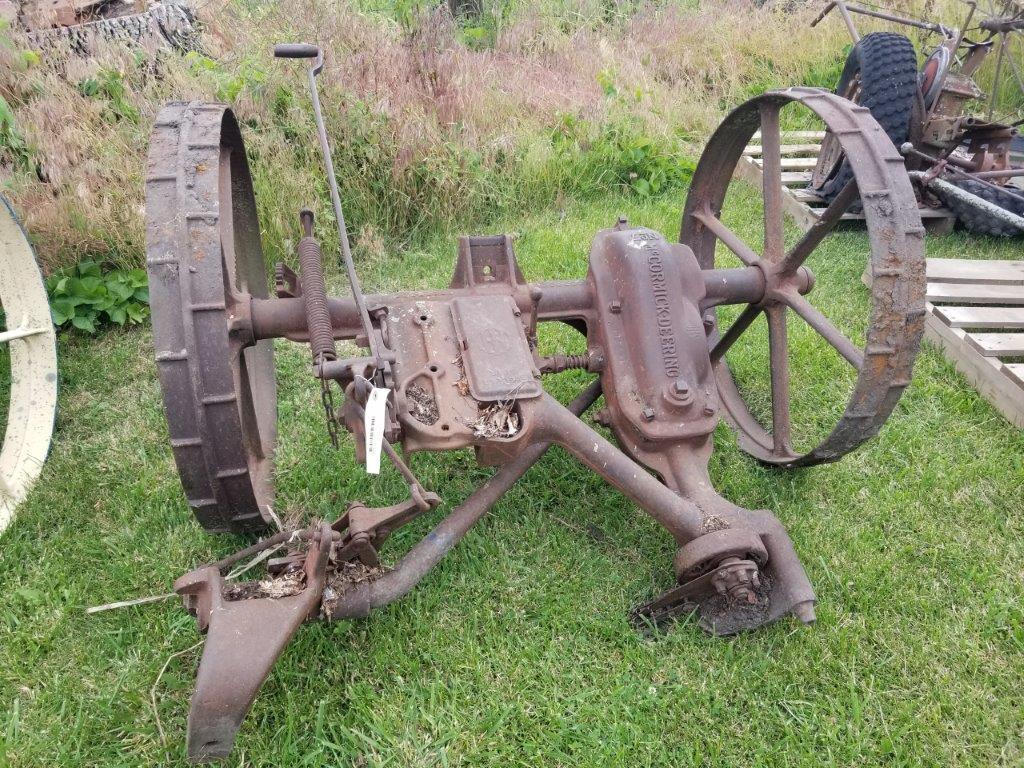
(203,250)
(882,365)
(28,366)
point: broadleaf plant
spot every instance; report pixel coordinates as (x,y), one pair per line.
(87,298)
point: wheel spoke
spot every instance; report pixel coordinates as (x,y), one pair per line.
(826,223)
(19,333)
(778,348)
(730,239)
(771,173)
(823,326)
(739,325)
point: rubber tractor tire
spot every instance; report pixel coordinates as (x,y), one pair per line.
(880,74)
(979,222)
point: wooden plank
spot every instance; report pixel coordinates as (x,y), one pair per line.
(1015,372)
(978,271)
(998,344)
(985,374)
(981,317)
(807,196)
(966,293)
(804,217)
(795,163)
(796,135)
(755,150)
(794,178)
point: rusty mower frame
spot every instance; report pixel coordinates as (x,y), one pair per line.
(459,368)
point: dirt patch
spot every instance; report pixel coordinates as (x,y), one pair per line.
(422,405)
(714,523)
(342,580)
(497,420)
(725,615)
(285,585)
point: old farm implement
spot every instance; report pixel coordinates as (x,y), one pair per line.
(959,152)
(459,368)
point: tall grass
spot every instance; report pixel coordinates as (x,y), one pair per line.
(435,121)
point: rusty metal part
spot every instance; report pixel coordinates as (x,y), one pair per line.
(697,557)
(996,212)
(897,262)
(243,640)
(314,293)
(205,264)
(462,369)
(307,51)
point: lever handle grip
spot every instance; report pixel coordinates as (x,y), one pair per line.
(296,51)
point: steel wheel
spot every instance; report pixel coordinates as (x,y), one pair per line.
(203,252)
(28,346)
(896,322)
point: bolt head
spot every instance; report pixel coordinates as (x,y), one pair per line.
(647,414)
(615,307)
(709,410)
(680,386)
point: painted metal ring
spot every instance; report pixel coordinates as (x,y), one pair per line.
(897,263)
(31,346)
(204,257)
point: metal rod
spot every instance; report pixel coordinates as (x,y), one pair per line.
(996,211)
(995,78)
(826,223)
(339,215)
(19,333)
(411,569)
(956,167)
(848,20)
(778,349)
(824,326)
(771,186)
(945,73)
(739,325)
(680,517)
(930,26)
(730,239)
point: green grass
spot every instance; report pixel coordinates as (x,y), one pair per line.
(516,650)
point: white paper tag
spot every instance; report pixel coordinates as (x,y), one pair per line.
(373,424)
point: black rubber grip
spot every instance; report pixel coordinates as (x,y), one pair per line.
(296,51)
(314,291)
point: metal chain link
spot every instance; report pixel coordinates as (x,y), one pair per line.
(327,397)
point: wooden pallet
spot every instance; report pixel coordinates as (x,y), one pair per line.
(800,151)
(976,317)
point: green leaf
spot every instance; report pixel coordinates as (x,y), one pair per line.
(64,308)
(89,269)
(83,323)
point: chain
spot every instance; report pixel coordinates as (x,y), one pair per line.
(327,397)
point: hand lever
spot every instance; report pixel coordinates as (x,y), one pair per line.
(308,51)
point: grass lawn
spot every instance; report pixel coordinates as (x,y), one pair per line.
(516,650)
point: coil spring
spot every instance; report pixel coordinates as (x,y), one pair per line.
(314,290)
(559,363)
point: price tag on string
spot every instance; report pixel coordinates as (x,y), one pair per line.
(374,418)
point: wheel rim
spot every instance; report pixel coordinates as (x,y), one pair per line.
(29,344)
(830,158)
(896,320)
(205,260)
